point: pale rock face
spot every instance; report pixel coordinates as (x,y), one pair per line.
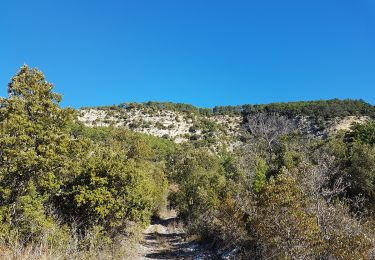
(172,124)
(181,127)
(347,122)
(160,124)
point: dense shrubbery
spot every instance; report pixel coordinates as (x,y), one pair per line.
(227,110)
(321,109)
(81,192)
(288,199)
(159,106)
(317,109)
(202,180)
(355,151)
(60,180)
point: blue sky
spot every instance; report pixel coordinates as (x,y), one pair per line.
(203,52)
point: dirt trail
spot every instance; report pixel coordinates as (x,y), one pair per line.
(166,239)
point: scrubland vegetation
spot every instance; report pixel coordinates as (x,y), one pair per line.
(68,191)
(321,108)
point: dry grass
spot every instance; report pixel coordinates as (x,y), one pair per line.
(122,247)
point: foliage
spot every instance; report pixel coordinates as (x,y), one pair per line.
(360,172)
(59,177)
(201,182)
(283,226)
(260,175)
(111,192)
(317,109)
(228,110)
(355,153)
(88,191)
(37,153)
(34,136)
(362,133)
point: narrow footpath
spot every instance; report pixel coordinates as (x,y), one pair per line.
(165,239)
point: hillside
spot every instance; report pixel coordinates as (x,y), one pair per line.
(209,129)
(285,179)
(224,127)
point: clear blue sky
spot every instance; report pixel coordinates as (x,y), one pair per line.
(204,52)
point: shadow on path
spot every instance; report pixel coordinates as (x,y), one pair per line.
(165,239)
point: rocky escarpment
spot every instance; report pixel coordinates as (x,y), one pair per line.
(306,126)
(214,128)
(215,131)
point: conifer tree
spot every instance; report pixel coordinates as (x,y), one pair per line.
(36,148)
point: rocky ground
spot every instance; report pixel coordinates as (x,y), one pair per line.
(166,239)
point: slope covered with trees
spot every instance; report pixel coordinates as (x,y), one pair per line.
(222,127)
(68,191)
(320,108)
(66,187)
